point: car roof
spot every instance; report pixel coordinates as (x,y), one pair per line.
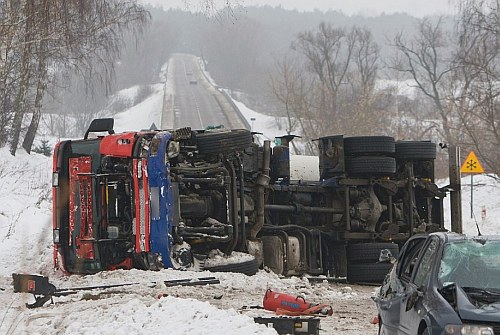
(452,237)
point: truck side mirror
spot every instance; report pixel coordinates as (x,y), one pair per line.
(100,125)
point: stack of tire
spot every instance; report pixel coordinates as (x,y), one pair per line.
(377,155)
(380,156)
(222,141)
(369,156)
(415,150)
(422,155)
(363,264)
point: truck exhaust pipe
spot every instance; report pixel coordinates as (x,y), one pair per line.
(262,182)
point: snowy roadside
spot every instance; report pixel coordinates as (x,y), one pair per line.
(26,247)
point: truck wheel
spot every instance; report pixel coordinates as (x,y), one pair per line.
(213,142)
(368,145)
(367,273)
(370,165)
(369,252)
(248,267)
(340,260)
(416,150)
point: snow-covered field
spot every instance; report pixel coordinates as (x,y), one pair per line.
(25,247)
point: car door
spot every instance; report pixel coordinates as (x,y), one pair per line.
(412,306)
(389,305)
(394,291)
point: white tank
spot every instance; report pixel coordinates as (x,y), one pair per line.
(304,167)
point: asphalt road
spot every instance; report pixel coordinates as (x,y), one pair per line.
(196,103)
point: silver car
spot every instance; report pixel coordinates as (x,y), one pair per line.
(443,283)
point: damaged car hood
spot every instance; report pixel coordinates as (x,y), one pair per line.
(478,311)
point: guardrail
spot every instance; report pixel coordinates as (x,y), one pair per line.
(235,108)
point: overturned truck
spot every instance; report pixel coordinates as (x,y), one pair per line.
(217,200)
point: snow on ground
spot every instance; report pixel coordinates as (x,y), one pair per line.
(143,115)
(25,247)
(485,205)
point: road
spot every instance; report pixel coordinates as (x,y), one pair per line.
(137,309)
(195,102)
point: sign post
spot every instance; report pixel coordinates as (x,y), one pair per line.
(471,165)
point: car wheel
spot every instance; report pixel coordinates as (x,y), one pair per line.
(357,145)
(213,142)
(369,252)
(374,165)
(416,150)
(367,273)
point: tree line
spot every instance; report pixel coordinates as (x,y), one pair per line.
(325,74)
(327,82)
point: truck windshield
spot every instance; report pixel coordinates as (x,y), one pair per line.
(471,263)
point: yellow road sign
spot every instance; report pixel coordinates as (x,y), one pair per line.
(471,164)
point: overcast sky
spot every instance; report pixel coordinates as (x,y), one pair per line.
(365,7)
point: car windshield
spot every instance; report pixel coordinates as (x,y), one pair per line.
(471,263)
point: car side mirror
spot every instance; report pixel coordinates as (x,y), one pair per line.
(413,298)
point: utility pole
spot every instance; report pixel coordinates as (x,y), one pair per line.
(455,184)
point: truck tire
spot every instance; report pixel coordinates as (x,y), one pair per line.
(214,142)
(362,145)
(367,273)
(359,253)
(248,267)
(340,260)
(415,150)
(370,165)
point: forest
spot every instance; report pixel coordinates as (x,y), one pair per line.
(322,72)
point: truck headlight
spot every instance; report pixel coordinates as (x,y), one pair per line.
(468,330)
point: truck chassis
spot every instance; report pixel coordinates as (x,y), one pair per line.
(191,199)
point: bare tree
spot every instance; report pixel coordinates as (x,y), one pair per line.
(291,89)
(46,36)
(328,52)
(340,69)
(478,56)
(24,55)
(427,60)
(213,8)
(362,101)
